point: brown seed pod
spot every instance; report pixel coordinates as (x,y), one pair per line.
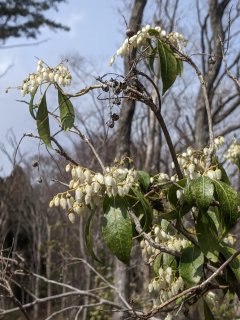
(129,33)
(35,164)
(115,117)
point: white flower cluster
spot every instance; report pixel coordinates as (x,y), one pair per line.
(87,188)
(140,39)
(167,240)
(193,163)
(166,285)
(60,75)
(233,152)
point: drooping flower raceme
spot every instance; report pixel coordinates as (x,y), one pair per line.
(60,75)
(167,240)
(233,152)
(148,33)
(166,285)
(87,188)
(193,163)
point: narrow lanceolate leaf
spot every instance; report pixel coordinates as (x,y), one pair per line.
(168,64)
(228,200)
(207,236)
(88,237)
(143,179)
(31,105)
(191,265)
(202,191)
(117,228)
(43,122)
(67,115)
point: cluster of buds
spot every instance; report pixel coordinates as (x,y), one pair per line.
(193,163)
(87,188)
(233,152)
(166,285)
(147,33)
(60,75)
(171,242)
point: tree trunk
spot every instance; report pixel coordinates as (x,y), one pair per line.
(128,107)
(121,275)
(211,71)
(152,162)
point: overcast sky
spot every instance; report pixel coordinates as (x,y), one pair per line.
(94,34)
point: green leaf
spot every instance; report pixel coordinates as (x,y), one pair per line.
(168,261)
(43,122)
(202,191)
(141,207)
(153,32)
(207,311)
(191,265)
(228,251)
(188,198)
(144,180)
(88,237)
(117,228)
(168,64)
(207,236)
(67,115)
(31,106)
(228,200)
(157,263)
(172,192)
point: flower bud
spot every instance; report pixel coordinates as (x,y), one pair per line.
(63,203)
(71,217)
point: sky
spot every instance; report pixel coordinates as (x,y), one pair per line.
(93,24)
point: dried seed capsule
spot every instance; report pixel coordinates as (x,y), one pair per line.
(110,123)
(115,117)
(35,164)
(105,88)
(129,33)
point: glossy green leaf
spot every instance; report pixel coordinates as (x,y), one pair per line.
(43,122)
(117,228)
(228,200)
(88,237)
(207,236)
(202,190)
(144,180)
(228,251)
(188,198)
(168,64)
(191,265)
(67,114)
